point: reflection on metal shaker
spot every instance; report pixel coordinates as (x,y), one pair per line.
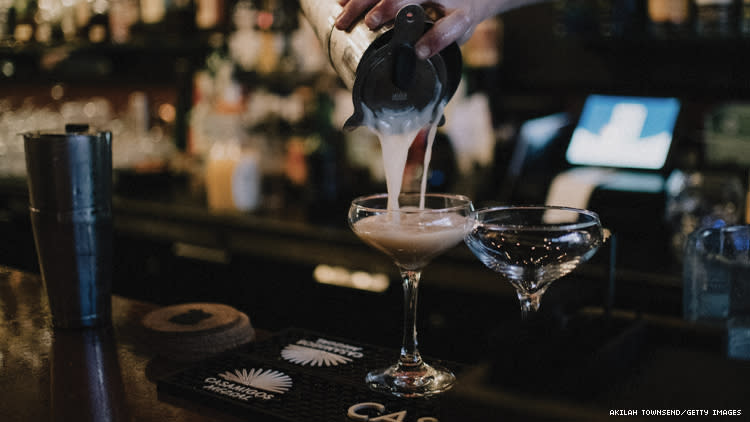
(86,378)
(70,202)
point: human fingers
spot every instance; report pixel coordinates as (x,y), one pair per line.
(380,12)
(385,11)
(456,26)
(353,10)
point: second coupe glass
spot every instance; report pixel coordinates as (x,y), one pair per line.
(533,246)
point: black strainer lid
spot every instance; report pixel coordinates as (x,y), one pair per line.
(392,82)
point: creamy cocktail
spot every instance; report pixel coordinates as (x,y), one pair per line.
(413,236)
(421,228)
(399,97)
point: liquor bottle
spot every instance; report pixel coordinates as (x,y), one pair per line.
(669,18)
(152,12)
(232,171)
(150,23)
(25,26)
(715,18)
(82,14)
(7,18)
(329,174)
(68,23)
(123,14)
(483,56)
(48,19)
(180,19)
(97,30)
(744,24)
(209,14)
(232,176)
(577,18)
(622,19)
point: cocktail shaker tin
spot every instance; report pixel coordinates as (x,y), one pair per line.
(344,49)
(380,67)
(73,169)
(70,205)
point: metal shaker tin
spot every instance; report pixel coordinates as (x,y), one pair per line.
(70,206)
(76,168)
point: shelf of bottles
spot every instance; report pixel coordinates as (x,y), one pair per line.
(253,114)
(691,48)
(104,39)
(254,93)
(55,22)
(708,31)
(654,20)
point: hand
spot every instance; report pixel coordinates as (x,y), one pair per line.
(458,21)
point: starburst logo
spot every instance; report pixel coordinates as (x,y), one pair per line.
(306,356)
(320,353)
(268,380)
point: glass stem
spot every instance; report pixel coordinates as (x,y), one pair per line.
(410,356)
(529,303)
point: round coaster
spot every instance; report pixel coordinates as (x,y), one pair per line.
(193,331)
(196,348)
(191,318)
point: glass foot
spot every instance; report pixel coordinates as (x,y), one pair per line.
(420,380)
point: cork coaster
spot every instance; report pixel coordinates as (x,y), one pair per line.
(193,318)
(193,331)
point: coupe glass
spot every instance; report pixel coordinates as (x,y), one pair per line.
(412,236)
(533,246)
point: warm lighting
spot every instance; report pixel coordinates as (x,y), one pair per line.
(167,113)
(90,109)
(264,20)
(57,92)
(8,69)
(360,280)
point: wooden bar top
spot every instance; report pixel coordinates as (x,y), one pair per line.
(97,375)
(111,374)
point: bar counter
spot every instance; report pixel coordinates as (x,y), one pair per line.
(178,242)
(78,375)
(111,375)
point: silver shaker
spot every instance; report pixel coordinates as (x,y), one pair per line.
(70,204)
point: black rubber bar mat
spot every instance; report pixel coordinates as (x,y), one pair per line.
(300,375)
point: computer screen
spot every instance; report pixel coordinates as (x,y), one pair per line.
(624,132)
